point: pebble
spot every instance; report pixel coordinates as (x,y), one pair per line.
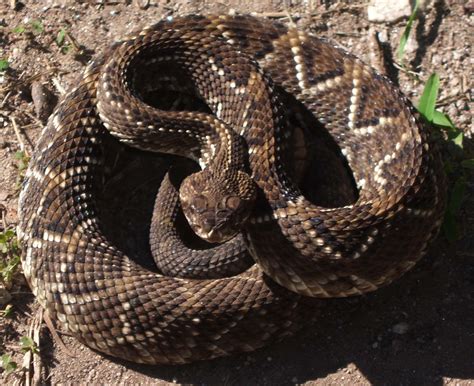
(388,11)
(401,328)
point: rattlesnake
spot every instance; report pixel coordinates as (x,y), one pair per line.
(241,67)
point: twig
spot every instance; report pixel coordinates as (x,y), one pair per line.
(405,70)
(37,365)
(19,136)
(33,118)
(31,360)
(21,82)
(351,34)
(73,41)
(448,100)
(55,335)
(274,15)
(6,98)
(292,22)
(316,14)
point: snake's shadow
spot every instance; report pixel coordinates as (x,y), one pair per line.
(415,331)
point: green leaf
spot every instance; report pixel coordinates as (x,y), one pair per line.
(66,48)
(468,163)
(19,155)
(19,29)
(60,37)
(458,140)
(7,363)
(4,64)
(37,26)
(9,234)
(3,243)
(9,269)
(426,105)
(406,33)
(442,119)
(27,344)
(7,312)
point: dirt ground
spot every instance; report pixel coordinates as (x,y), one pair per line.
(419,330)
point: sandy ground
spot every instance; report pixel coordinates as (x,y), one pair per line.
(416,331)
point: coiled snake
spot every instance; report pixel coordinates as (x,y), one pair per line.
(241,67)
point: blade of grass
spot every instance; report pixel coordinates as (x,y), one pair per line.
(426,105)
(60,37)
(406,33)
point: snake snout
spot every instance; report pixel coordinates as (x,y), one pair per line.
(212,230)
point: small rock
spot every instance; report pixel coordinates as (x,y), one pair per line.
(469,7)
(401,328)
(43,100)
(142,4)
(388,11)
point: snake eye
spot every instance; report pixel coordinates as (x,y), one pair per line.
(233,202)
(199,203)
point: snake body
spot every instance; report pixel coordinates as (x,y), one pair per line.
(241,67)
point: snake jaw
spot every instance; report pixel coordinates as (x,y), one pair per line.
(214,234)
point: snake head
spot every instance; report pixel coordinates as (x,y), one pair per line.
(216,208)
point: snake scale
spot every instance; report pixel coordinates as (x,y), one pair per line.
(240,67)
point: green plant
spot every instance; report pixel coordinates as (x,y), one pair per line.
(19,29)
(61,41)
(456,166)
(7,363)
(4,65)
(27,344)
(22,159)
(35,27)
(7,312)
(22,164)
(9,257)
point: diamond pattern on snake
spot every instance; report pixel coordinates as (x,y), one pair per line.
(310,177)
